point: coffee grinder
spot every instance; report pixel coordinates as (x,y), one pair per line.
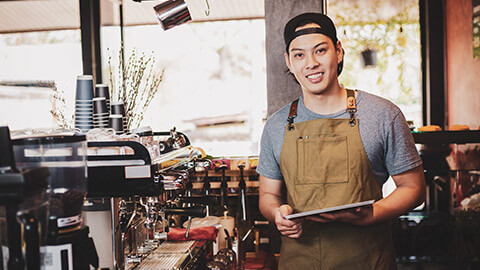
(22,194)
(68,245)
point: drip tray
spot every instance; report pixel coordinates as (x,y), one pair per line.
(170,247)
(161,261)
(168,255)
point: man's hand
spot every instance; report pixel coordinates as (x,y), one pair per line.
(274,208)
(410,192)
(356,216)
(290,228)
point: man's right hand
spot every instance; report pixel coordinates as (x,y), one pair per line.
(291,228)
(274,209)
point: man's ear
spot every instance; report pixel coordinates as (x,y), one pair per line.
(340,51)
(287,61)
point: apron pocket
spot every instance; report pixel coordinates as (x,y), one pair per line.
(322,160)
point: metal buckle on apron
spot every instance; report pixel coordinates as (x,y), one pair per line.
(290,122)
(352,120)
(292,115)
(351,106)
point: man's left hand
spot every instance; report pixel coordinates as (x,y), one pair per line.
(357,216)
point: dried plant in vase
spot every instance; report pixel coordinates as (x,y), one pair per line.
(135,82)
(60,112)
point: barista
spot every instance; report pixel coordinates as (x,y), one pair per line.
(334,146)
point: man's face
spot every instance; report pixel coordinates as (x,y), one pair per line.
(313,60)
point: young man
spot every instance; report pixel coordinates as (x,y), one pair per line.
(334,146)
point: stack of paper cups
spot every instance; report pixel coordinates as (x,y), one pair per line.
(100,113)
(101,90)
(115,121)
(119,108)
(83,103)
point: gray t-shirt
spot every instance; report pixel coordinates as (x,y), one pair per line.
(386,137)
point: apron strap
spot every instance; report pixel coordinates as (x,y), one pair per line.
(292,114)
(351,106)
(351,109)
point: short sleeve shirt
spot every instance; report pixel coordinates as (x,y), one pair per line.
(385,135)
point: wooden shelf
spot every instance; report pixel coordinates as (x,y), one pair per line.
(228,173)
(230,184)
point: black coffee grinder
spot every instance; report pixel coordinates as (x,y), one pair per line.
(68,245)
(22,194)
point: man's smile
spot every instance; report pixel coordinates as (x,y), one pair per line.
(316,77)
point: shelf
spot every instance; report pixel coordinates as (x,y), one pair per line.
(447,137)
(230,184)
(228,173)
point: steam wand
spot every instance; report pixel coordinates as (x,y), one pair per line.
(189,187)
(206,183)
(243,193)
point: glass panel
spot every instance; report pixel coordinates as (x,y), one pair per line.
(32,64)
(392,30)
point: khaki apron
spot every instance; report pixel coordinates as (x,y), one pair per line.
(324,164)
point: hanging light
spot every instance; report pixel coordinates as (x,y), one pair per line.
(172,13)
(369,58)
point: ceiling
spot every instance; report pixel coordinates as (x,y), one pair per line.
(42,15)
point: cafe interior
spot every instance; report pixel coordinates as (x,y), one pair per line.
(130,130)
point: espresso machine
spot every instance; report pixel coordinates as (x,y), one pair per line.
(139,195)
(67,243)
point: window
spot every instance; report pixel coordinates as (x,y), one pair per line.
(31,65)
(214,85)
(391,30)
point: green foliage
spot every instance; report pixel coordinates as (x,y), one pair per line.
(396,38)
(135,82)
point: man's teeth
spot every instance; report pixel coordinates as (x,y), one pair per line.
(314,76)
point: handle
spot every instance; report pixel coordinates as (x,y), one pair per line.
(223,186)
(15,259)
(194,211)
(7,161)
(229,240)
(206,187)
(243,193)
(32,239)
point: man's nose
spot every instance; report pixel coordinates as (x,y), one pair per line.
(312,61)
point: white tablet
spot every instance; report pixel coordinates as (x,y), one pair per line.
(330,209)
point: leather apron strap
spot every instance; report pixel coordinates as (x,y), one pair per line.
(292,114)
(351,109)
(351,106)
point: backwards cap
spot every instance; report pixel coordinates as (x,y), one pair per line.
(326,27)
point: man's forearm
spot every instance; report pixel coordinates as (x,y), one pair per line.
(270,196)
(410,192)
(402,200)
(268,204)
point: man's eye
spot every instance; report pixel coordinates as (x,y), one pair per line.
(321,50)
(297,55)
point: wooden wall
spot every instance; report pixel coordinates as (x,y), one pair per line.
(463,72)
(281,87)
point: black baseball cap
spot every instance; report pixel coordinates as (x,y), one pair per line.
(325,24)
